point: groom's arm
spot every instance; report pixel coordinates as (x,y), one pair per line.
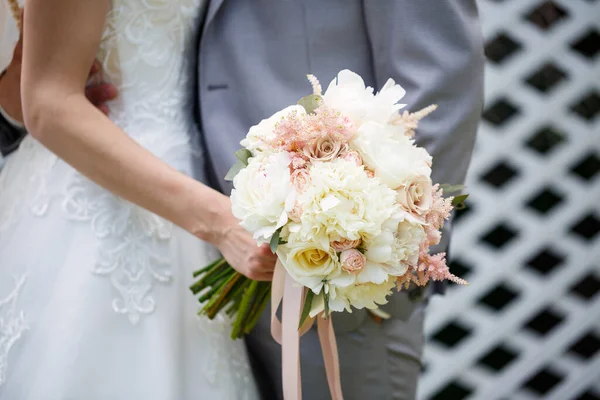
(11,116)
(11,127)
(434,49)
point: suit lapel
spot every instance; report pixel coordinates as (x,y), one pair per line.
(213,7)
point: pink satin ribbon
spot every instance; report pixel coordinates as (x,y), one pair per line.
(288,335)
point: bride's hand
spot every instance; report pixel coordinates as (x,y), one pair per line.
(241,251)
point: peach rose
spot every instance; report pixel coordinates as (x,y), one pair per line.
(296,213)
(344,244)
(300,179)
(353,261)
(353,156)
(416,196)
(324,149)
(298,161)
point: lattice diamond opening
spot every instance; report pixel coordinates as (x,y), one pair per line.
(545,140)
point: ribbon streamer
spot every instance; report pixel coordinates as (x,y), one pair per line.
(288,335)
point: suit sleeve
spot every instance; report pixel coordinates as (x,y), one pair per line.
(434,49)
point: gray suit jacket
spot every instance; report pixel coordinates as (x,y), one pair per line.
(253,59)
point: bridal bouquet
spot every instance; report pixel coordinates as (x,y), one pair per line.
(343,195)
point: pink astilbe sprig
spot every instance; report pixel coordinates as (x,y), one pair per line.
(316,85)
(440,208)
(430,268)
(410,121)
(297,131)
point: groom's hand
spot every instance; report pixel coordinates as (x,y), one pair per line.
(10,85)
(240,250)
(98,92)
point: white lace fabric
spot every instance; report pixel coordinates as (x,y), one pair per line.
(105,278)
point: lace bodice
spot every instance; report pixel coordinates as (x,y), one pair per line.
(142,53)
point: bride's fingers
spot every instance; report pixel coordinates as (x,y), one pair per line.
(265,277)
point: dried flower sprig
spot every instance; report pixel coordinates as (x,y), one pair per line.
(410,121)
(15,9)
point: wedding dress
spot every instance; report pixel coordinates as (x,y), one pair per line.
(94,299)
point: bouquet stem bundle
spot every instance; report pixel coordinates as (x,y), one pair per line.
(220,287)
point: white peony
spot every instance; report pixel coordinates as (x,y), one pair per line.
(347,93)
(394,250)
(394,159)
(263,195)
(259,135)
(342,202)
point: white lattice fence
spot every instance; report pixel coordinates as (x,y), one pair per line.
(528,326)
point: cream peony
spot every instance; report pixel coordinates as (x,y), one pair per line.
(394,160)
(310,263)
(347,93)
(259,135)
(342,202)
(263,195)
(364,295)
(416,196)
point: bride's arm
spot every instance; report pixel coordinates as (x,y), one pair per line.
(61,40)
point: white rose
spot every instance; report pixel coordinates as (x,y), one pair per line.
(263,195)
(259,135)
(347,93)
(416,196)
(394,159)
(310,263)
(342,202)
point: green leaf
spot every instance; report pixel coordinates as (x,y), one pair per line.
(447,188)
(275,241)
(459,201)
(243,155)
(306,309)
(311,102)
(326,299)
(233,171)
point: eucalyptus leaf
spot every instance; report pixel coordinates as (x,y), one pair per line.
(311,102)
(234,170)
(448,188)
(275,241)
(459,201)
(307,306)
(243,155)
